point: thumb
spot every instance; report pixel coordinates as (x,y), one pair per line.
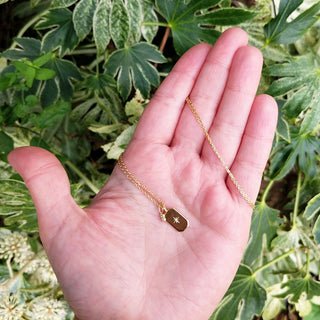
(49,187)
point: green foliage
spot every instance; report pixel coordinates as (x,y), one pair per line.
(76,80)
(192,21)
(134,63)
(245,296)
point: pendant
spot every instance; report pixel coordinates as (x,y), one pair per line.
(176,220)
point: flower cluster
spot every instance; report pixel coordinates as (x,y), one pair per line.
(11,308)
(14,246)
(47,309)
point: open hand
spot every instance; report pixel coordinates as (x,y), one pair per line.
(116,259)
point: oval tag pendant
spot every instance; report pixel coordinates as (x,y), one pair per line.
(177,220)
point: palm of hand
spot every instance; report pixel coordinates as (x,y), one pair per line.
(116,259)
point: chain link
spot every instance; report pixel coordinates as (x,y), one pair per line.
(206,134)
(150,195)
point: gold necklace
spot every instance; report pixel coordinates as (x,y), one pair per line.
(172,216)
(206,134)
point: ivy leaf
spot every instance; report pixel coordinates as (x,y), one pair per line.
(295,288)
(264,224)
(83,17)
(132,66)
(101,22)
(60,85)
(16,206)
(244,299)
(62,34)
(278,30)
(29,48)
(119,24)
(301,151)
(6,146)
(191,22)
(301,78)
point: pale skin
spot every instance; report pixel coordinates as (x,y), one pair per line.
(116,259)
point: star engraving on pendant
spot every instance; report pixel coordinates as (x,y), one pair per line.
(175,219)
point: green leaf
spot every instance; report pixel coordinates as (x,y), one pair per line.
(295,288)
(42,60)
(244,299)
(60,85)
(301,151)
(283,129)
(132,66)
(44,74)
(62,34)
(6,146)
(280,31)
(192,22)
(83,17)
(135,14)
(23,108)
(264,224)
(119,24)
(51,115)
(27,71)
(299,77)
(62,3)
(316,231)
(29,48)
(314,314)
(114,149)
(149,15)
(16,206)
(312,207)
(103,87)
(101,25)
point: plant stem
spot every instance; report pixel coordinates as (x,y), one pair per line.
(82,176)
(26,27)
(266,191)
(163,42)
(9,268)
(164,39)
(275,260)
(308,263)
(7,284)
(296,202)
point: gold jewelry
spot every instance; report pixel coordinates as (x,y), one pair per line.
(206,134)
(172,216)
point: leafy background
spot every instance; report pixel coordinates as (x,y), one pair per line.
(75,76)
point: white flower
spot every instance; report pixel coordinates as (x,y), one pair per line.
(47,309)
(42,271)
(15,246)
(10,307)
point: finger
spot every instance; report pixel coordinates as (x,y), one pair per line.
(159,120)
(49,187)
(208,89)
(255,147)
(232,115)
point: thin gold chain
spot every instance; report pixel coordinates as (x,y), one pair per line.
(206,134)
(147,192)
